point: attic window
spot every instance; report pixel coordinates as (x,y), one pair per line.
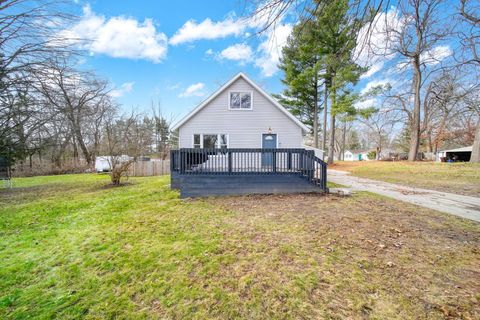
(240,100)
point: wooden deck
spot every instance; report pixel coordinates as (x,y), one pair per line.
(206,172)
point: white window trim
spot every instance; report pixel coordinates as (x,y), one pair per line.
(240,91)
(218,139)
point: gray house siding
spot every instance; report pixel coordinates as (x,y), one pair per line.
(244,127)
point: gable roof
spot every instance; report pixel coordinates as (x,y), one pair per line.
(225,86)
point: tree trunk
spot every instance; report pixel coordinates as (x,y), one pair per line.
(475,157)
(75,150)
(325,118)
(430,142)
(315,117)
(344,134)
(415,125)
(83,147)
(331,144)
(119,170)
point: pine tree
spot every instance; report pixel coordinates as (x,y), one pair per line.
(335,35)
(301,65)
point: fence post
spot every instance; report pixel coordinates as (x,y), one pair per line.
(172,160)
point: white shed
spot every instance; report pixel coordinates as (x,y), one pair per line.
(103,163)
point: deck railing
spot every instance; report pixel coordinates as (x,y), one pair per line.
(194,161)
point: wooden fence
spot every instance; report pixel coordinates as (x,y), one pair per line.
(149,168)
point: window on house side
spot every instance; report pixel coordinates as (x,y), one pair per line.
(196,141)
(223,141)
(210,141)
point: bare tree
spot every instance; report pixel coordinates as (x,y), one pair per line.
(470,39)
(76,95)
(126,139)
(162,131)
(419,31)
(381,125)
(28,32)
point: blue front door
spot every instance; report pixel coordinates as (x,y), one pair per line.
(269,141)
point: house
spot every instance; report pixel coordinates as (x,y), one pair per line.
(240,115)
(458,154)
(242,131)
(355,155)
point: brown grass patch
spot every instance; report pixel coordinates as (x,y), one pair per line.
(460,178)
(357,257)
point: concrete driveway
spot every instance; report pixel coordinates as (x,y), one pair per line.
(462,206)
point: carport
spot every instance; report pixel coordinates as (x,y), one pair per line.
(459,154)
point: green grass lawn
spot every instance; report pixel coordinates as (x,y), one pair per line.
(461,178)
(72,247)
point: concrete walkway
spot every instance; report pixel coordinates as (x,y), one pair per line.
(462,206)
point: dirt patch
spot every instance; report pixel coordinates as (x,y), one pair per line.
(357,257)
(113,186)
(410,192)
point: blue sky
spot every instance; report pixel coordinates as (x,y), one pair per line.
(191,65)
(178,52)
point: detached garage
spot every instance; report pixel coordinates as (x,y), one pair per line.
(459,154)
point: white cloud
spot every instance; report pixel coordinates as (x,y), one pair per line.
(237,52)
(364,104)
(375,83)
(267,55)
(270,49)
(124,88)
(172,87)
(436,55)
(375,43)
(194,90)
(374,68)
(231,26)
(119,37)
(207,29)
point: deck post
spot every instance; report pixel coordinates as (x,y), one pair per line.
(324,176)
(229,161)
(182,161)
(301,161)
(274,161)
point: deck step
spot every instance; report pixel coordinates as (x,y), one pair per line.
(206,185)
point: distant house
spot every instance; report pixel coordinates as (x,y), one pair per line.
(458,154)
(355,155)
(242,140)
